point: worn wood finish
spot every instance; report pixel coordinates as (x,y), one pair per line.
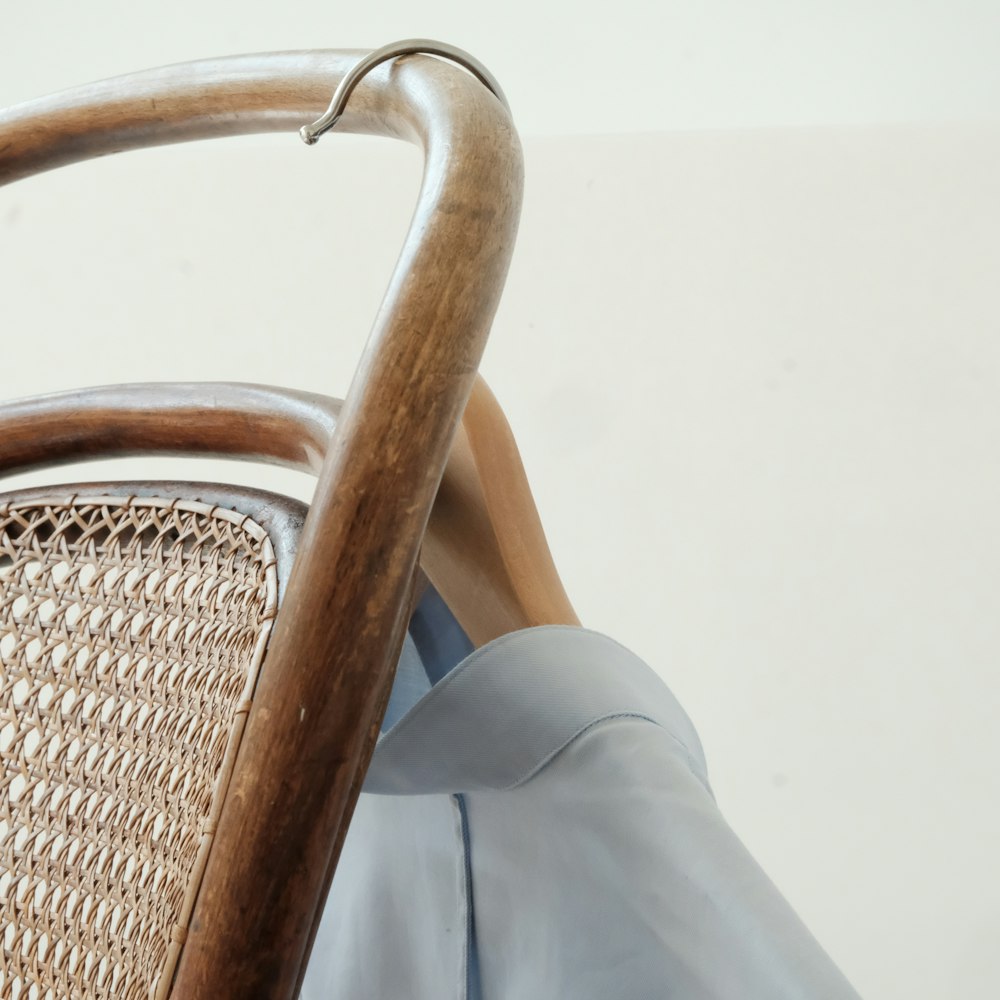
(237,95)
(484,549)
(255,423)
(336,639)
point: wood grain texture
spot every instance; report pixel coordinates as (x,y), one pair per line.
(337,637)
(256,423)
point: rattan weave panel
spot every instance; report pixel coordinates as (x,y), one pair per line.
(131,633)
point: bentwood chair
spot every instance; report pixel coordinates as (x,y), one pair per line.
(191,677)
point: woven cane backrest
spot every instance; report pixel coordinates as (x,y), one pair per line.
(131,633)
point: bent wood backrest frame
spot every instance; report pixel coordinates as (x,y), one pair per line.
(329,664)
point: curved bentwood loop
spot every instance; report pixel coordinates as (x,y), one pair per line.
(255,423)
(337,636)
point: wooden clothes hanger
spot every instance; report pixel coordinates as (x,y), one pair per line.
(485,550)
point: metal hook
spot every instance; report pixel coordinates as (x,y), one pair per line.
(311,133)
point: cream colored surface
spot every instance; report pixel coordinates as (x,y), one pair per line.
(754,377)
(577,67)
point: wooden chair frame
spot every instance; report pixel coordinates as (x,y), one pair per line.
(335,642)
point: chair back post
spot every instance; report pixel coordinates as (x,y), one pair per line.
(329,665)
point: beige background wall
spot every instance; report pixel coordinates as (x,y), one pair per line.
(754,372)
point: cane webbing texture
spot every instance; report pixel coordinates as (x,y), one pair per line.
(131,633)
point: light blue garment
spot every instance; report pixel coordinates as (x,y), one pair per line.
(539,826)
(434,645)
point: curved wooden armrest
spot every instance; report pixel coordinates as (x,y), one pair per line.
(255,423)
(338,635)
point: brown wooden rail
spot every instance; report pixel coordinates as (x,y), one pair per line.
(257,423)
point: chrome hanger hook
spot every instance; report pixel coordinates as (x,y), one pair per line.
(310,133)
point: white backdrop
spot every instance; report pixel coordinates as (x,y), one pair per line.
(754,374)
(577,66)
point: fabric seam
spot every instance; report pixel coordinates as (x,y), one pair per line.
(686,754)
(424,704)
